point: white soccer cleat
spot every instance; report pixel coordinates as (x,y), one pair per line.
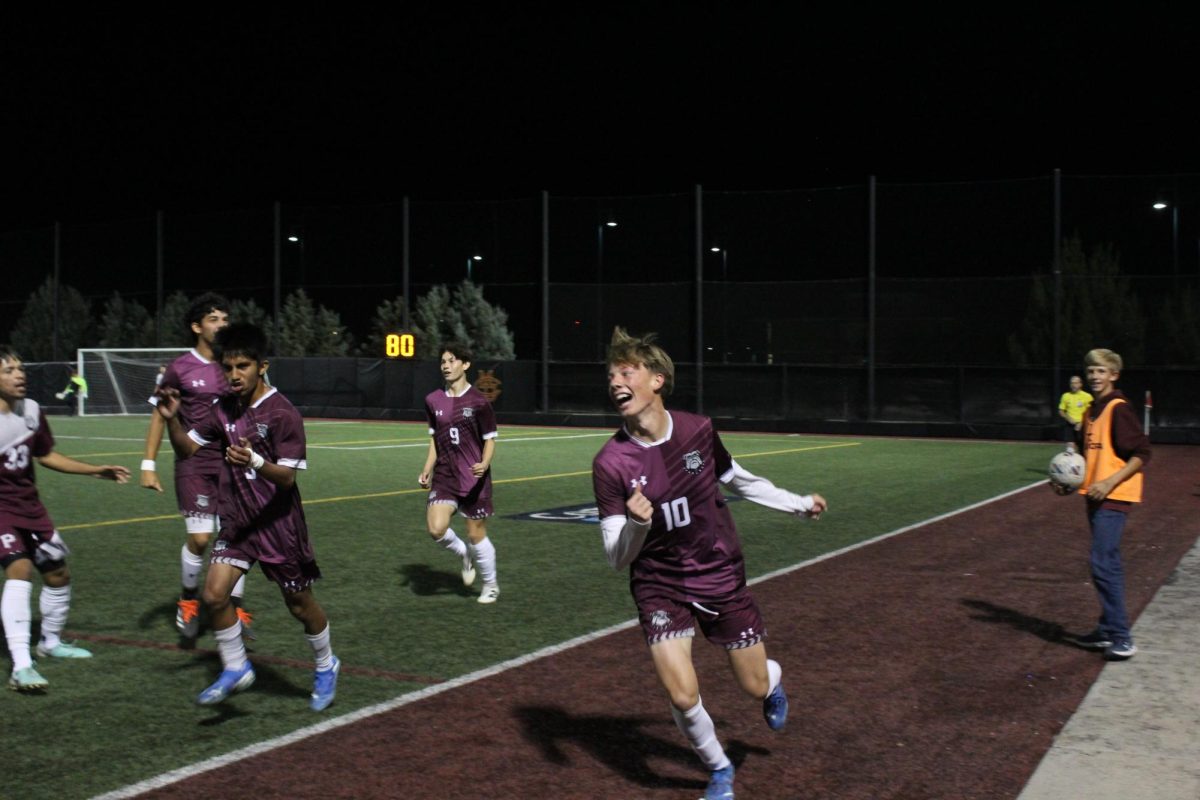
(491,591)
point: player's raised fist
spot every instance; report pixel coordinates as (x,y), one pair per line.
(638,506)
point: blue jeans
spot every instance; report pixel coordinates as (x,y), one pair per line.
(1108,574)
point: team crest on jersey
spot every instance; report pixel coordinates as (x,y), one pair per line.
(262,430)
(468,413)
(660,619)
(693,464)
(202,500)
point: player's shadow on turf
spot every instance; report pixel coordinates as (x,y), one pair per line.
(618,742)
(426,581)
(999,615)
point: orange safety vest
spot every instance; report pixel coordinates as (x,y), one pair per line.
(1102,460)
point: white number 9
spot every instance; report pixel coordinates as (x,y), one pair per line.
(454,436)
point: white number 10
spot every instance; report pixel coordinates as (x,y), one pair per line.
(676,513)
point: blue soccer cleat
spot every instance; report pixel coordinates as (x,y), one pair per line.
(228,682)
(720,784)
(325,686)
(775,709)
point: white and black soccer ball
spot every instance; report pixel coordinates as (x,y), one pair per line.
(1066,470)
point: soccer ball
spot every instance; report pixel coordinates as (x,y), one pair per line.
(60,395)
(1066,470)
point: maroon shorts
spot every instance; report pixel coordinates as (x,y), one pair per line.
(476,505)
(46,548)
(733,622)
(197,499)
(294,575)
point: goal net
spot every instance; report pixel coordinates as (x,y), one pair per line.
(120,380)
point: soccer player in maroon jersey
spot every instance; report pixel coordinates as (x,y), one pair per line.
(262,519)
(663,515)
(457,470)
(28,539)
(200,381)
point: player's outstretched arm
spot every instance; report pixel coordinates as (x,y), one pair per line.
(154,436)
(60,463)
(762,491)
(427,471)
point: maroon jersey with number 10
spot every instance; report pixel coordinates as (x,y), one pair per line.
(692,551)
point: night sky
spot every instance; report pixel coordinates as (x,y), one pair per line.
(113,118)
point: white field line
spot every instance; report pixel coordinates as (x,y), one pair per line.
(216,762)
(425,443)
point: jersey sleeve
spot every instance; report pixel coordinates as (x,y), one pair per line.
(208,428)
(723,462)
(290,442)
(168,379)
(487,422)
(609,490)
(43,440)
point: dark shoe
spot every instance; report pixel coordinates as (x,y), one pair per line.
(1090,641)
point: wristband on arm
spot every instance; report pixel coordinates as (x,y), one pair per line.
(149,465)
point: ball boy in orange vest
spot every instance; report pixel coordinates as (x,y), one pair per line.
(1116,449)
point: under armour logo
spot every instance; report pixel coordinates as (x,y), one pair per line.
(230,427)
(199,382)
(439,412)
(634,482)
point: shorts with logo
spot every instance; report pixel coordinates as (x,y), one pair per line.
(476,505)
(733,622)
(46,548)
(294,575)
(197,499)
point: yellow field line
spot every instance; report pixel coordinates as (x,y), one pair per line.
(398,492)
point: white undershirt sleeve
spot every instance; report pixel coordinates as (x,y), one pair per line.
(765,493)
(623,539)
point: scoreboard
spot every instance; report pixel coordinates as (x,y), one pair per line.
(399,345)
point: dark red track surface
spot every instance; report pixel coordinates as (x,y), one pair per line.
(928,665)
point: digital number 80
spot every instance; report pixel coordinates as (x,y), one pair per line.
(401,345)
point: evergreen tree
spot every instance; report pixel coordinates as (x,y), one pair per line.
(174,330)
(1178,329)
(125,323)
(464,316)
(389,318)
(250,312)
(33,335)
(305,329)
(1099,309)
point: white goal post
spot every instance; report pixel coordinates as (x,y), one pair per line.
(120,380)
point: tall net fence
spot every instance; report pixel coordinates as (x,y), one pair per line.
(946,276)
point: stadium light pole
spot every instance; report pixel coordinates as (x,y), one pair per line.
(471,262)
(609,223)
(724,251)
(1162,205)
(296,238)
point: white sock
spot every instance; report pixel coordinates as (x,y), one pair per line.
(190,565)
(54,603)
(322,650)
(229,644)
(485,559)
(452,543)
(17,614)
(774,675)
(697,726)
(239,588)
